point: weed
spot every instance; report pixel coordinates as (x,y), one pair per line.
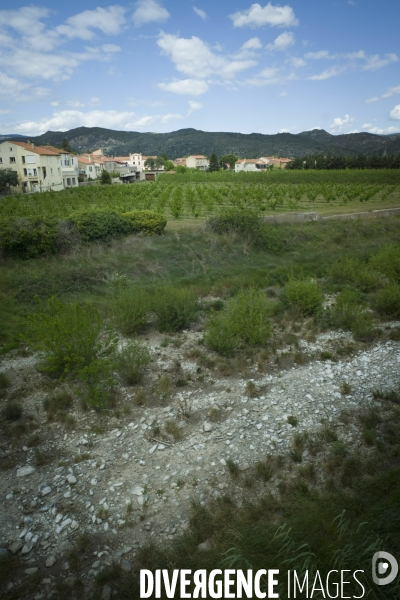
(345,388)
(363,328)
(308,471)
(369,436)
(33,440)
(264,470)
(172,428)
(103,513)
(387,301)
(292,420)
(140,398)
(296,455)
(129,310)
(175,308)
(251,390)
(387,261)
(164,386)
(40,458)
(233,468)
(78,458)
(299,441)
(4,384)
(304,294)
(12,411)
(131,361)
(83,542)
(346,309)
(328,435)
(214,413)
(74,560)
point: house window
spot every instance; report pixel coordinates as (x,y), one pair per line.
(73,181)
(90,169)
(25,172)
(12,159)
(35,172)
(44,172)
(68,181)
(23,160)
(51,171)
(1,160)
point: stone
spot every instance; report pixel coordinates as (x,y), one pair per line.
(25,471)
(31,570)
(46,491)
(106,593)
(50,561)
(204,547)
(207,426)
(27,547)
(71,479)
(16,547)
(126,566)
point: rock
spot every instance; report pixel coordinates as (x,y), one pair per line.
(46,491)
(207,426)
(126,566)
(25,471)
(50,561)
(96,564)
(137,490)
(16,547)
(71,479)
(106,593)
(27,547)
(31,570)
(204,547)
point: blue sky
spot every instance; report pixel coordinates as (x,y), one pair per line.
(163,65)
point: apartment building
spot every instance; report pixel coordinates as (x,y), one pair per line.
(38,167)
(197,161)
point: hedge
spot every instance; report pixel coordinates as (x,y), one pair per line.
(148,221)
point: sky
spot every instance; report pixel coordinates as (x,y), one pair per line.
(164,65)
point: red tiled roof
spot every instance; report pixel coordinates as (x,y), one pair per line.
(38,149)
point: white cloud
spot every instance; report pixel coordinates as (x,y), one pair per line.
(27,22)
(320,55)
(257,16)
(201,13)
(283,41)
(185,87)
(253,43)
(328,73)
(193,57)
(297,62)
(385,131)
(193,106)
(267,76)
(282,94)
(149,11)
(389,92)
(108,20)
(366,126)
(339,124)
(376,62)
(395,113)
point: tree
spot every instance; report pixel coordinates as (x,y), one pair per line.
(214,163)
(169,165)
(105,177)
(65,145)
(150,163)
(228,161)
(8,178)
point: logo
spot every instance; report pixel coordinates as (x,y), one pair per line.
(380,566)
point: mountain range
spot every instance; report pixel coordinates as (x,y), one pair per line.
(192,141)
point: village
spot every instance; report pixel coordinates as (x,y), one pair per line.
(47,168)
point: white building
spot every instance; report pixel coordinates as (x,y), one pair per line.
(134,159)
(38,167)
(91,166)
(252,164)
(197,161)
(69,167)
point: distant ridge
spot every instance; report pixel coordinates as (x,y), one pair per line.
(192,141)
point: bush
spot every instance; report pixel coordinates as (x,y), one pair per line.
(346,309)
(105,178)
(129,310)
(131,361)
(244,318)
(362,327)
(355,272)
(262,235)
(68,334)
(100,224)
(387,301)
(304,294)
(57,404)
(175,308)
(4,384)
(12,411)
(148,221)
(25,237)
(387,262)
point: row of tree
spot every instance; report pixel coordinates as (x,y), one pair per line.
(329,161)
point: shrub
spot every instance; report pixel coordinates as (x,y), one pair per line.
(105,178)
(25,237)
(175,308)
(362,327)
(131,361)
(244,318)
(12,411)
(355,272)
(4,384)
(304,294)
(100,224)
(248,224)
(387,261)
(148,221)
(387,301)
(129,310)
(68,334)
(58,404)
(97,380)
(346,309)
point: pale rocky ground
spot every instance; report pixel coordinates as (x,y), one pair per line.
(135,484)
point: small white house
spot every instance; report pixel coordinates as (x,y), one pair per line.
(252,164)
(197,161)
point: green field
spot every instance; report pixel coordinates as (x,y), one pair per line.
(200,195)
